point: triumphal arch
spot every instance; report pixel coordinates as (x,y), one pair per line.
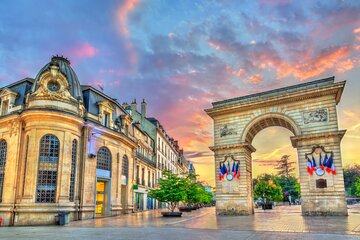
(308,110)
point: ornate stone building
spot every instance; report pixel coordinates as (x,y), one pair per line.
(63,147)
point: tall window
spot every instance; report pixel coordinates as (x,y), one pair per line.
(143,176)
(25,164)
(47,170)
(73,170)
(3,149)
(149,182)
(106,119)
(125,166)
(5,106)
(104,159)
(137,174)
(153,180)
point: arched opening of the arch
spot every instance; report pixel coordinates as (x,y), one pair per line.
(270,136)
(273,144)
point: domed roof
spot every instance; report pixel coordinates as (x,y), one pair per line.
(66,69)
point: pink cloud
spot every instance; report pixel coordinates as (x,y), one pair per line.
(255,79)
(122,15)
(84,50)
(308,65)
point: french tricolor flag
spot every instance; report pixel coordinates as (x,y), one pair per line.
(310,167)
(330,166)
(313,164)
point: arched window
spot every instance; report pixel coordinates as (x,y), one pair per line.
(3,149)
(125,166)
(104,159)
(47,171)
(73,170)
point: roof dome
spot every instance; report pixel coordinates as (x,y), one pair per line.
(65,68)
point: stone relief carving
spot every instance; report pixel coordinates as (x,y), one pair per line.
(224,131)
(319,115)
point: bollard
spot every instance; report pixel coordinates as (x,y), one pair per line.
(0,221)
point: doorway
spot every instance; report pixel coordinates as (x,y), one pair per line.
(101,198)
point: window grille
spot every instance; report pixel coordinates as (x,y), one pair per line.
(47,170)
(125,166)
(3,149)
(73,170)
(104,159)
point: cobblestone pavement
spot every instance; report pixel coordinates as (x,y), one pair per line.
(280,223)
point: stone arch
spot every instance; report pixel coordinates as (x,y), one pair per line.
(268,120)
(309,111)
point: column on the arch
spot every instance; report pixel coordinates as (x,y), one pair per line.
(328,199)
(234,197)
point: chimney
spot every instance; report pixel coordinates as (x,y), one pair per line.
(143,108)
(134,106)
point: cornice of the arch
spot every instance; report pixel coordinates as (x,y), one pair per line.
(231,106)
(227,147)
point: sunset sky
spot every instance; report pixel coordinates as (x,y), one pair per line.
(182,55)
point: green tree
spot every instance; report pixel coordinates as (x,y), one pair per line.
(289,185)
(172,190)
(195,192)
(351,174)
(271,192)
(357,187)
(285,167)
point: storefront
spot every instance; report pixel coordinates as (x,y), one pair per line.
(139,201)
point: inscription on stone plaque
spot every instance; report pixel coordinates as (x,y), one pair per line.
(319,115)
(321,183)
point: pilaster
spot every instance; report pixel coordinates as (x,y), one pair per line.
(234,197)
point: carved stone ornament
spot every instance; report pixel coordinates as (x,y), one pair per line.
(229,168)
(224,131)
(319,115)
(320,161)
(47,89)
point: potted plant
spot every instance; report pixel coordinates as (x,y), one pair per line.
(172,190)
(268,192)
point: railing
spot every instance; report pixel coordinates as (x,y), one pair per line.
(145,159)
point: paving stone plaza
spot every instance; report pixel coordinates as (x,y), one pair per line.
(283,222)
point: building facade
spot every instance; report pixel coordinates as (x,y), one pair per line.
(167,150)
(63,147)
(145,171)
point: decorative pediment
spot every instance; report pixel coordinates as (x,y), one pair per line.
(106,105)
(7,92)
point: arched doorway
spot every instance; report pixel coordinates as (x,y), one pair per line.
(308,110)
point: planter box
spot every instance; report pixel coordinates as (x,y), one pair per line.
(185,209)
(171,214)
(267,206)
